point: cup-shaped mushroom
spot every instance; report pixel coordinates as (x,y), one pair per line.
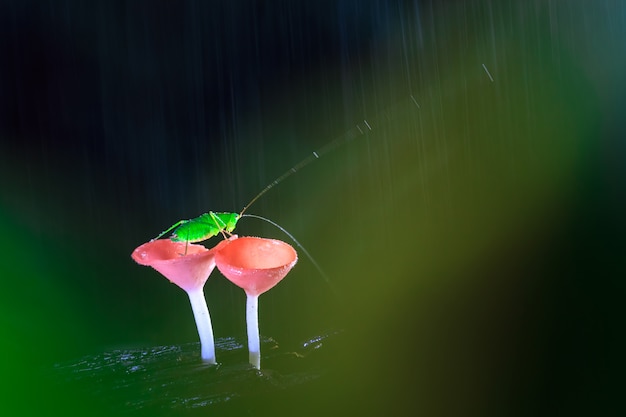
(255,264)
(185,264)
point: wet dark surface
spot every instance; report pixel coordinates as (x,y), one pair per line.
(173,378)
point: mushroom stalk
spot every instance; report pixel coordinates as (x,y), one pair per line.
(203,323)
(255,264)
(252,321)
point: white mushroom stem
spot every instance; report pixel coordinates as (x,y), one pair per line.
(203,323)
(252,321)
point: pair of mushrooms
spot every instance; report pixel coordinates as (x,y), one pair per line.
(252,263)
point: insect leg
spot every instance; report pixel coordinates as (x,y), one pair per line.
(187,242)
(220,225)
(174,226)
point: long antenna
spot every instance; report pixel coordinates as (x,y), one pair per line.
(358,130)
(306,252)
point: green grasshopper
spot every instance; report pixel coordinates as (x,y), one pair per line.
(203,227)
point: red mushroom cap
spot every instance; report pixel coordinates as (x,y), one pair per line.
(186,265)
(255,264)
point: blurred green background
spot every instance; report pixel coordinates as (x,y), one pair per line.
(474,236)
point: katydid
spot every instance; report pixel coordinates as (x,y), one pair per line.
(203,227)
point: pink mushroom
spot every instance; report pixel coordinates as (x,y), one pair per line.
(188,266)
(256,265)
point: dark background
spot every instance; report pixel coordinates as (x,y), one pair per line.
(475,239)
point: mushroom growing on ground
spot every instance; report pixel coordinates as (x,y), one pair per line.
(256,265)
(188,266)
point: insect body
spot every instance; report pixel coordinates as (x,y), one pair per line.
(203,227)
